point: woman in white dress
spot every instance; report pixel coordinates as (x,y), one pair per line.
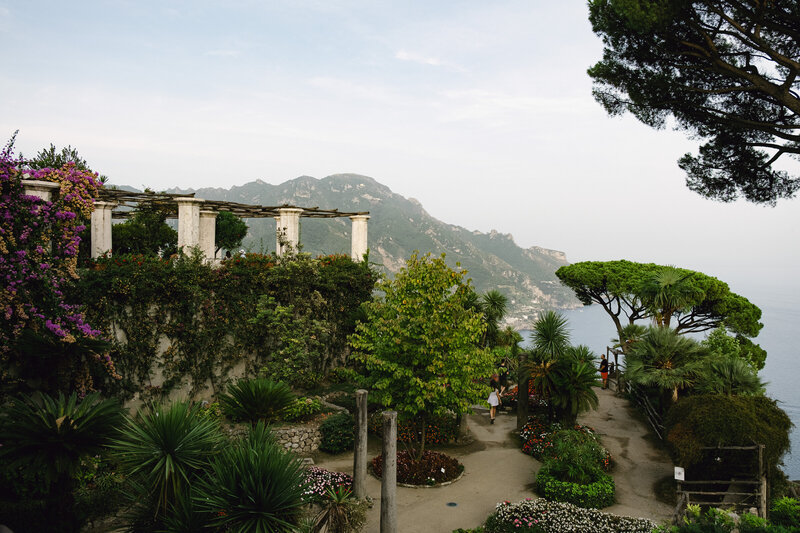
(494,397)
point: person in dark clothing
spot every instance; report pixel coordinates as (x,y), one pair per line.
(503,373)
(604,371)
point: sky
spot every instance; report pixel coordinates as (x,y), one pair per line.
(480,110)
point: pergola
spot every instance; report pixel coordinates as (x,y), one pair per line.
(197,218)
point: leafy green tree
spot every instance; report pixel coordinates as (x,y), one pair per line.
(229,231)
(720,343)
(725,71)
(616,287)
(419,345)
(146,232)
(53,158)
(665,360)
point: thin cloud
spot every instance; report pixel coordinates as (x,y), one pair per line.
(224,53)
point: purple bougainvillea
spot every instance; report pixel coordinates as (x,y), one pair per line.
(38,260)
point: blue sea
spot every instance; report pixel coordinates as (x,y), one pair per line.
(780,315)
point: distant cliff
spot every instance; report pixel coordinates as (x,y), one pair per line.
(400,225)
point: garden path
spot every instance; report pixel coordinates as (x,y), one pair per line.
(495,470)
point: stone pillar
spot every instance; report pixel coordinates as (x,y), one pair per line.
(360,452)
(101,228)
(288,232)
(188,223)
(358,241)
(208,233)
(389,478)
(46,190)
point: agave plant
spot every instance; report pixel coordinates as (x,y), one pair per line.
(52,435)
(165,447)
(254,485)
(256,399)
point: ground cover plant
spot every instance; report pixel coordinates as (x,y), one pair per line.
(319,481)
(543,516)
(430,468)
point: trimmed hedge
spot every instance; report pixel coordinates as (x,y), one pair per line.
(337,433)
(595,495)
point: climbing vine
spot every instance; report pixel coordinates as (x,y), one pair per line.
(178,321)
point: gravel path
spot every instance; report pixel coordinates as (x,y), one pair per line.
(496,470)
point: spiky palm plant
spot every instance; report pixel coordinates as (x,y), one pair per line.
(728,375)
(165,447)
(574,393)
(253,486)
(666,292)
(52,435)
(550,334)
(256,399)
(665,360)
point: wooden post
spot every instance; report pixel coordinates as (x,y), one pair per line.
(389,478)
(360,452)
(762,487)
(522,391)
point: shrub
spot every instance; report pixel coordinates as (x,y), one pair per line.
(429,469)
(301,408)
(337,433)
(165,448)
(319,481)
(253,485)
(341,513)
(721,420)
(750,523)
(577,450)
(786,512)
(597,493)
(554,517)
(43,441)
(255,399)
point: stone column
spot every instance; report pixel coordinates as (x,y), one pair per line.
(101,228)
(288,232)
(188,223)
(389,478)
(358,241)
(360,452)
(46,190)
(208,233)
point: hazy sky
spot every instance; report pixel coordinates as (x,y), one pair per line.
(480,110)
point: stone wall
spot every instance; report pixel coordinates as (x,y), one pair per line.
(299,439)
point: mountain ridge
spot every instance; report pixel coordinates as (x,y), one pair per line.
(397,227)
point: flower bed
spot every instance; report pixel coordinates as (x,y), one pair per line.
(319,481)
(509,397)
(537,439)
(432,468)
(542,516)
(597,494)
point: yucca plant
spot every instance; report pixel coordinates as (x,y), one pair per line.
(51,435)
(256,399)
(254,486)
(165,447)
(341,512)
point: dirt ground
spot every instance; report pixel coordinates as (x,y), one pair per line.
(495,470)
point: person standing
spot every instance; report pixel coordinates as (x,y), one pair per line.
(494,397)
(604,371)
(503,372)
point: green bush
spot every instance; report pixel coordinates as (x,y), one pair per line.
(598,493)
(253,485)
(255,399)
(337,433)
(574,456)
(750,523)
(720,420)
(785,512)
(301,408)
